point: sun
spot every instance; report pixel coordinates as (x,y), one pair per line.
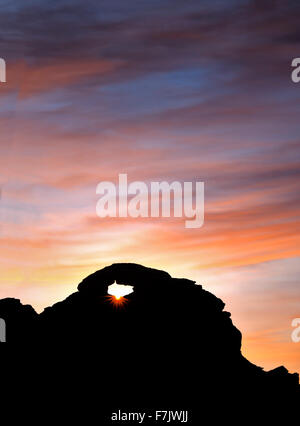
(117,302)
(117,292)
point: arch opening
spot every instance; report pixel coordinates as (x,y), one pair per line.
(119,290)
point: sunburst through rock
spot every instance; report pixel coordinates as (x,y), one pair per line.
(117,293)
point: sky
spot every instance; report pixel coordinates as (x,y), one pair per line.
(160,90)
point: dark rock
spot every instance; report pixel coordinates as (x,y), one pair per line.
(20,319)
(170,344)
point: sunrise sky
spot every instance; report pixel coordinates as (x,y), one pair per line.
(160,90)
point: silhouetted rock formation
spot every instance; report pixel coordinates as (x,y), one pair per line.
(171,343)
(19,318)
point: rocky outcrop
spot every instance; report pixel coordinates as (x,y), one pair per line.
(20,319)
(171,339)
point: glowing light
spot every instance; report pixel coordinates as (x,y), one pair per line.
(117,292)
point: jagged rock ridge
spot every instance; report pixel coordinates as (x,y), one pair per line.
(171,335)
